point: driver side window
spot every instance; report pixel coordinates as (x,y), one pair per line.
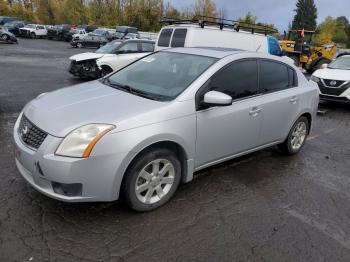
(129,48)
(238,80)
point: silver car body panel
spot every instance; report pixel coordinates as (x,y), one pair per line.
(207,137)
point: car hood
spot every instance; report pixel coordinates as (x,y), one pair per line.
(335,74)
(86,56)
(64,110)
(26,28)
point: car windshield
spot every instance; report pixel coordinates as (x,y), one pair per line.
(30,26)
(161,76)
(342,62)
(109,48)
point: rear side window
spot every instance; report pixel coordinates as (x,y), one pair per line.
(147,47)
(164,38)
(238,80)
(273,76)
(179,37)
(293,80)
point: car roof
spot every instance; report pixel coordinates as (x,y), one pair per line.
(217,52)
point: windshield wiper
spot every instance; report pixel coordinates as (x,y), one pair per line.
(134,91)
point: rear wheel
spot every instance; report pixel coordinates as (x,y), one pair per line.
(32,35)
(296,137)
(79,45)
(152,179)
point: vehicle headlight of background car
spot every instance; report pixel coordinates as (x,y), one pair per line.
(81,141)
(315,79)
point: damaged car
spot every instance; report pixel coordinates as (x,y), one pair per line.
(117,53)
(7,37)
(33,31)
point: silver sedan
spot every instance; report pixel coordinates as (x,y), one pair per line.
(141,131)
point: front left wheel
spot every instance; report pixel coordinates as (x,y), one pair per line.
(5,37)
(152,179)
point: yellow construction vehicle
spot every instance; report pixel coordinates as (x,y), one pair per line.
(298,46)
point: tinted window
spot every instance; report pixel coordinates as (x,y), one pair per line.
(293,80)
(273,76)
(239,80)
(164,38)
(147,47)
(179,38)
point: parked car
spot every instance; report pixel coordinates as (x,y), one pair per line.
(144,129)
(90,40)
(59,32)
(122,31)
(33,31)
(123,54)
(6,36)
(14,26)
(76,34)
(120,53)
(334,79)
(6,19)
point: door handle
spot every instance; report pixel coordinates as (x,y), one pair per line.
(255,111)
(294,99)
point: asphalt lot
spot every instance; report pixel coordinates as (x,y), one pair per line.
(262,207)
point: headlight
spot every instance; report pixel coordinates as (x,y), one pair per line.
(81,141)
(315,79)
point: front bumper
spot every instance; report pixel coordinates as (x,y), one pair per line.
(342,99)
(95,177)
(84,69)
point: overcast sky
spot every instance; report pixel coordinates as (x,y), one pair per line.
(277,12)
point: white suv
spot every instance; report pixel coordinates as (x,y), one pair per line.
(334,79)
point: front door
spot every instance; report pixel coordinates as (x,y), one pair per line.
(229,130)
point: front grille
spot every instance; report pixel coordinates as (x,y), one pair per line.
(334,91)
(333,83)
(30,134)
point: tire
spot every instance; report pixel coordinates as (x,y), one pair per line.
(297,137)
(79,45)
(154,191)
(50,38)
(5,37)
(32,35)
(106,70)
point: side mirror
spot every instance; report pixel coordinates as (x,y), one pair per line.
(324,66)
(215,98)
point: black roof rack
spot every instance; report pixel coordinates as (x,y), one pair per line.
(202,21)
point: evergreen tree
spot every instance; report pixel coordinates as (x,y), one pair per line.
(306,15)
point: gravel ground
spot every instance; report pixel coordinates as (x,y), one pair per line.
(261,207)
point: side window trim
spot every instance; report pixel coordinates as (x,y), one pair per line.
(205,87)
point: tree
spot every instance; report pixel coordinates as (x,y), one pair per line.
(306,15)
(331,30)
(205,8)
(249,18)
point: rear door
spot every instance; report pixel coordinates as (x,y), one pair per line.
(280,104)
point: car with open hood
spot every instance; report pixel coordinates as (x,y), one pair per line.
(143,130)
(113,56)
(7,37)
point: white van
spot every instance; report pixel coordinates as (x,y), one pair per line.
(196,35)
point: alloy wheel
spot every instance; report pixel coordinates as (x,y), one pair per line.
(298,135)
(154,181)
